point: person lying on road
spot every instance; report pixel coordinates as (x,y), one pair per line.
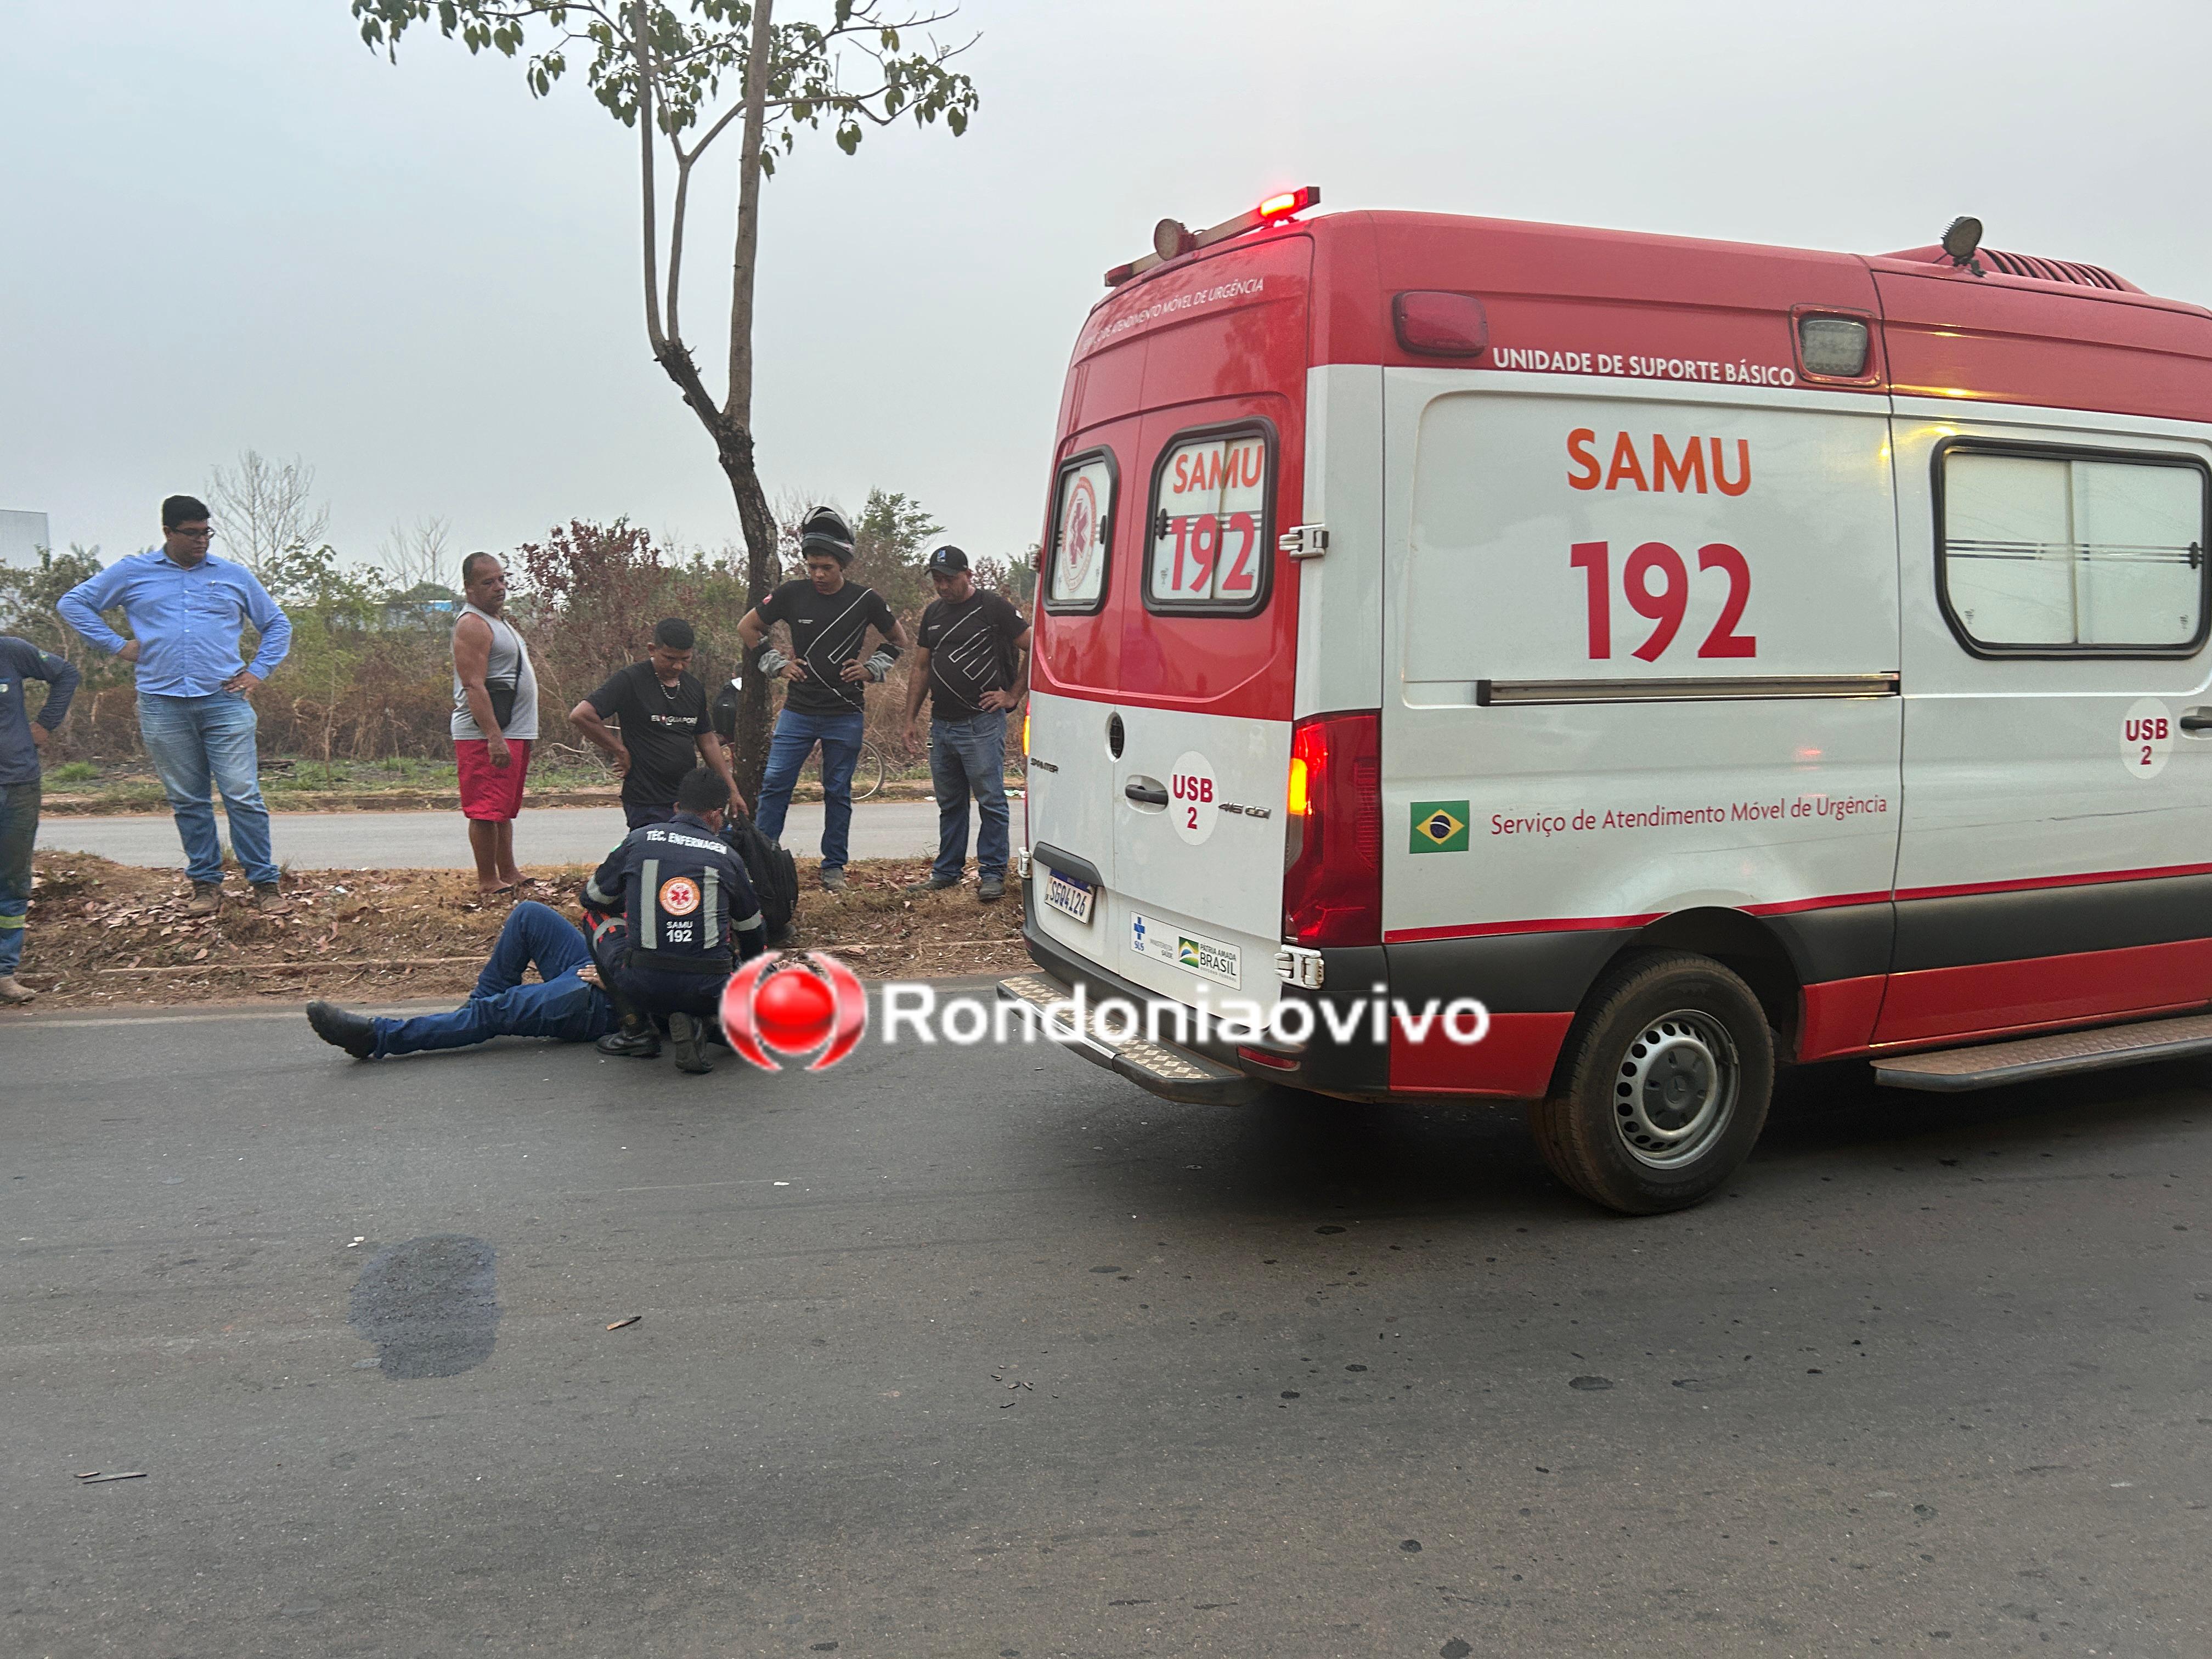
(565,1005)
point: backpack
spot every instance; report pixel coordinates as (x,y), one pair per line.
(775,874)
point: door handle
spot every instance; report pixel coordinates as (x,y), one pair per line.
(2196,720)
(1148,794)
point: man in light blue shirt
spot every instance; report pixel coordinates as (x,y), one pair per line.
(187,608)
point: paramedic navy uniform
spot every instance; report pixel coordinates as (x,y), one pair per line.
(691,917)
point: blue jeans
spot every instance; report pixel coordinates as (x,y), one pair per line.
(200,743)
(563,1008)
(797,731)
(19,833)
(969,758)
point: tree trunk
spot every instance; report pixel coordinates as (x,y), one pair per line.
(735,436)
(735,446)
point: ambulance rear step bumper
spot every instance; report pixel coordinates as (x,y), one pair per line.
(1955,1069)
(1171,1072)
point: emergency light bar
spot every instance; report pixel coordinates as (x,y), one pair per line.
(1171,237)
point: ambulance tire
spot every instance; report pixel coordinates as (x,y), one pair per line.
(1663,1088)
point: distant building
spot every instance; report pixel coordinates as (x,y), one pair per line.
(422,603)
(21,536)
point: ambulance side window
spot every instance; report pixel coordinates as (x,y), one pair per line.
(2044,551)
(1210,537)
(1081,533)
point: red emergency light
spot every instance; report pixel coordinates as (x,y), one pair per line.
(1171,239)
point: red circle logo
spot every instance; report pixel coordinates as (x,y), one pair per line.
(679,896)
(786,1007)
(794,1013)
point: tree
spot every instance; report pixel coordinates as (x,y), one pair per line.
(661,67)
(265,511)
(27,599)
(419,556)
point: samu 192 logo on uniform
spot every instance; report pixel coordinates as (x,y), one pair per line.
(678,896)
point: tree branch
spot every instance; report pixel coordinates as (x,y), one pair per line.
(675,238)
(648,194)
(738,410)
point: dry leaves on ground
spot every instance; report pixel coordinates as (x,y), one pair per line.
(102,933)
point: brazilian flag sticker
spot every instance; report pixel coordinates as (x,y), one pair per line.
(1439,826)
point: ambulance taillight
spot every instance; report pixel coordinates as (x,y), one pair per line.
(1333,859)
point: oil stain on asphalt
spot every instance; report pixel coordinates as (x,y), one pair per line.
(431,1305)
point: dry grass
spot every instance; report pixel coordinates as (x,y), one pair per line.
(103,933)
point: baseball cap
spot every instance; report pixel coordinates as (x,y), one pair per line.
(947,561)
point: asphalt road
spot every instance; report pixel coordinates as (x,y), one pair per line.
(1300,1379)
(439,841)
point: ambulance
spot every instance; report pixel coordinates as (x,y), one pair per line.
(1707,657)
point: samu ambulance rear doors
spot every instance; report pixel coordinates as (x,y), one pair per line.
(1168,705)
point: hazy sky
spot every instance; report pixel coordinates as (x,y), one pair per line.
(228,225)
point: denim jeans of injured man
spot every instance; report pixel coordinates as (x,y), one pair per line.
(562,1007)
(197,743)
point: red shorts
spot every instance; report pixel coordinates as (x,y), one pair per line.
(488,791)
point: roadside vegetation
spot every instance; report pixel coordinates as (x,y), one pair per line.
(103,933)
(358,713)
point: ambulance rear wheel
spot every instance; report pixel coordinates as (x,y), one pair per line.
(1663,1089)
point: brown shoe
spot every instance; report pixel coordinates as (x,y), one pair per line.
(206,899)
(14,990)
(266,897)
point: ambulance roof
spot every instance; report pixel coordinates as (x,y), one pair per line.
(2074,336)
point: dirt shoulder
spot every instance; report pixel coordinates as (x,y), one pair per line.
(104,934)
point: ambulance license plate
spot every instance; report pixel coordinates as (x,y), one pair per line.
(1071,898)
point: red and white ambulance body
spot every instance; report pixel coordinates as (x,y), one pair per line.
(1704,655)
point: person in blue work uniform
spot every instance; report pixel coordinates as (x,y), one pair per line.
(187,608)
(691,917)
(563,1004)
(21,738)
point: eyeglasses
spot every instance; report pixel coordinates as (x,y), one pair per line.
(195,535)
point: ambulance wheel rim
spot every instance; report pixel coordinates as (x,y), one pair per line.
(1675,1089)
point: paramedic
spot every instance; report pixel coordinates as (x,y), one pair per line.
(691,917)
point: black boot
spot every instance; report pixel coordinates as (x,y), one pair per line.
(355,1033)
(637,1042)
(689,1031)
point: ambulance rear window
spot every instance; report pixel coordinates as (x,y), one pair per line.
(1082,531)
(2047,551)
(1210,522)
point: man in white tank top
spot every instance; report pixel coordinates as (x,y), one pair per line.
(491,671)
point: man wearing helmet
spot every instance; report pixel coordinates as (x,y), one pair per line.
(827,668)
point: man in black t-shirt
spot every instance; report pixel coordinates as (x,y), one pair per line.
(665,730)
(828,670)
(972,661)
